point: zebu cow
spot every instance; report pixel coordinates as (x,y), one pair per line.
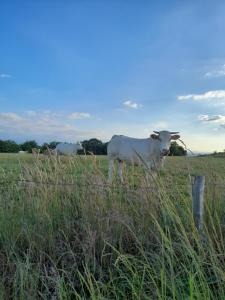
(22,152)
(67,148)
(150,152)
(35,151)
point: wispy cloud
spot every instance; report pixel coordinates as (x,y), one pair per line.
(3,75)
(131,104)
(220,119)
(42,124)
(214,119)
(10,116)
(210,95)
(160,125)
(31,113)
(219,72)
(79,116)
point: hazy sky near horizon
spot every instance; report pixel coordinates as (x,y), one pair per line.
(71,70)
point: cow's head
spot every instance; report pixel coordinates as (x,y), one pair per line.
(164,138)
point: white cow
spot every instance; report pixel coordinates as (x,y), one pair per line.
(22,152)
(67,148)
(150,151)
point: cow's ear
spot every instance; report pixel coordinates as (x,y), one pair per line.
(175,137)
(154,136)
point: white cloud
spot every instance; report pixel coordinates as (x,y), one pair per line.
(79,116)
(42,124)
(220,72)
(131,104)
(210,95)
(10,116)
(214,118)
(5,75)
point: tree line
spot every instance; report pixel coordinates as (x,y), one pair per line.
(91,146)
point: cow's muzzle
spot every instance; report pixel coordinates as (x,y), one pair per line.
(164,152)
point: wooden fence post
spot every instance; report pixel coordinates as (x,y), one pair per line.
(198,200)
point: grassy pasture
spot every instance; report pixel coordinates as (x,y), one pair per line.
(65,234)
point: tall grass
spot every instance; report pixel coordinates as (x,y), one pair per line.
(66,234)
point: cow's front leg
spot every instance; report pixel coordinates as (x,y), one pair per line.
(120,170)
(110,171)
(150,174)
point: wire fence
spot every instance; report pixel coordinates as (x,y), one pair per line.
(87,183)
(27,183)
(196,186)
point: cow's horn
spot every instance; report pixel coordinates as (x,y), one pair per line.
(157,132)
(174,132)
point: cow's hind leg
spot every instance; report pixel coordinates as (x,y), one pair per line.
(120,170)
(110,171)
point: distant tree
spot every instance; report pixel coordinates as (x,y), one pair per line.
(177,150)
(9,146)
(53,144)
(28,145)
(94,146)
(50,145)
(44,147)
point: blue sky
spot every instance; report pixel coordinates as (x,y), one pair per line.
(71,70)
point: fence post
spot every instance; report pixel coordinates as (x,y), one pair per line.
(198,200)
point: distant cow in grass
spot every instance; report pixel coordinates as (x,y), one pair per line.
(68,148)
(22,152)
(149,152)
(35,151)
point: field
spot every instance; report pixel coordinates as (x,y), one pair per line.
(66,234)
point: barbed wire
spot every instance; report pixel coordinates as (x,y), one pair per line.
(27,182)
(119,187)
(88,184)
